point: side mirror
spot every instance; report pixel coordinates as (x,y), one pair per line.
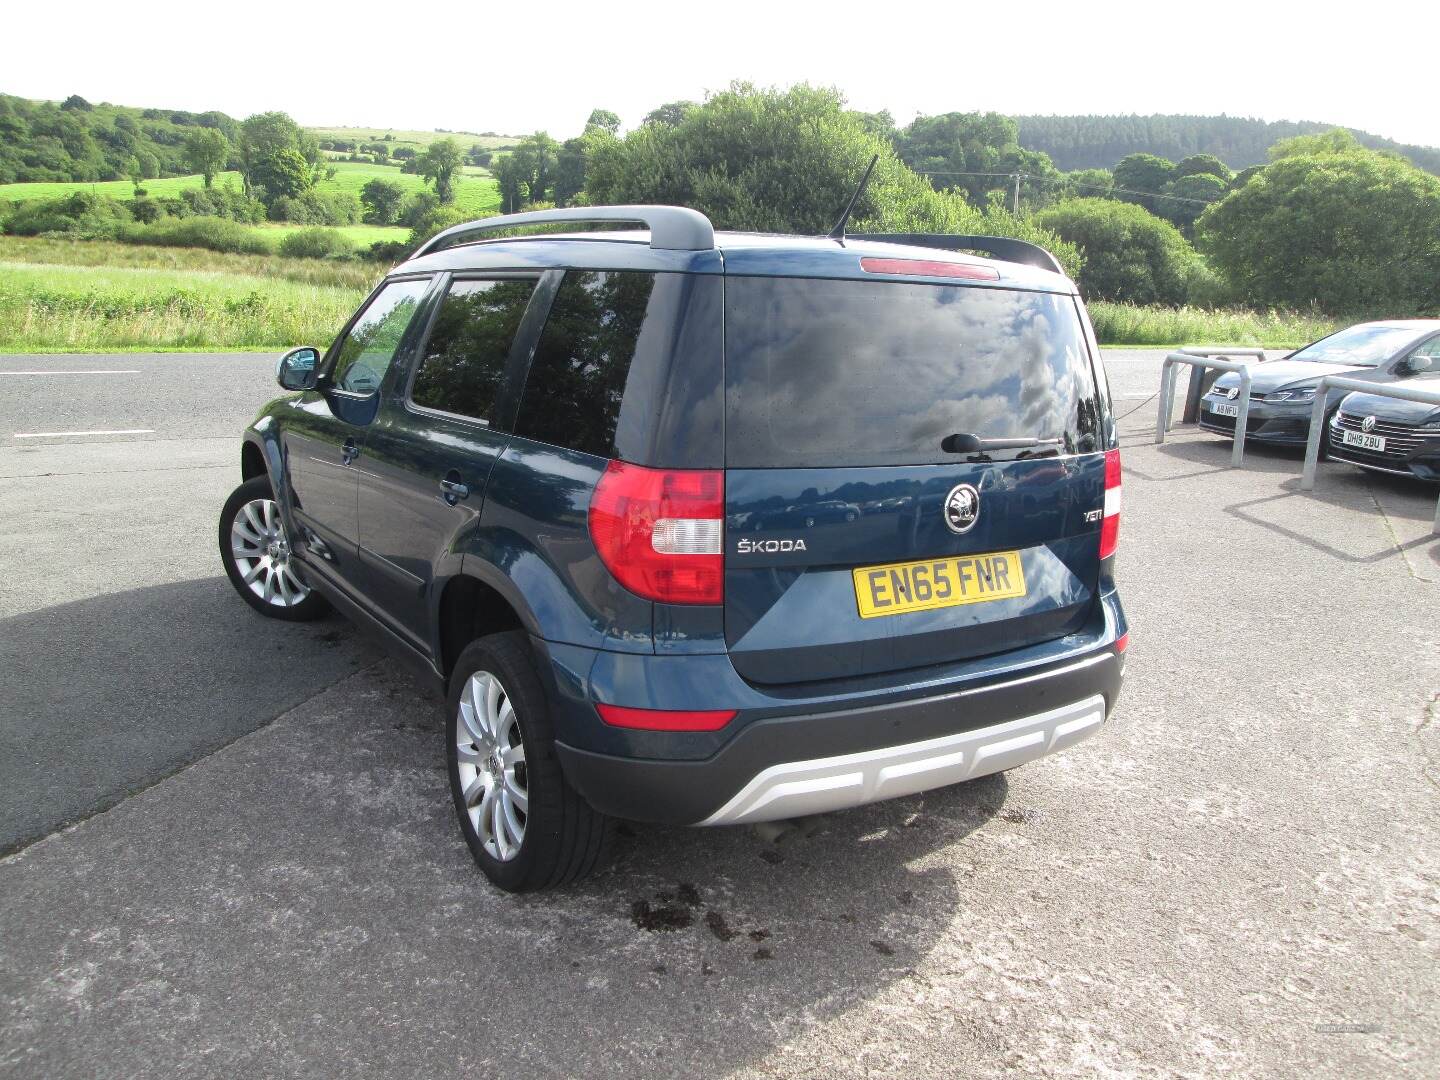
(298,368)
(1416,365)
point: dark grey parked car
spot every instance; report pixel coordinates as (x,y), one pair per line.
(1390,435)
(1282,392)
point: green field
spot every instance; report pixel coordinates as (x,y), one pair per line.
(475,192)
(61,295)
(362,236)
(418,140)
(61,251)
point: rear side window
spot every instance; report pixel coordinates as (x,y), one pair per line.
(463,366)
(827,373)
(582,362)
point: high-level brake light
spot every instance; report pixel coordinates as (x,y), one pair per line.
(929,268)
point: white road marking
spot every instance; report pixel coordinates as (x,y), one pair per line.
(106,371)
(59,434)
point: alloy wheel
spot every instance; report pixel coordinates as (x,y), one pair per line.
(262,554)
(490,756)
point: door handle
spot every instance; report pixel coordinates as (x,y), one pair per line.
(453,489)
(349,452)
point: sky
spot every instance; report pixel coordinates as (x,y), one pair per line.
(544,66)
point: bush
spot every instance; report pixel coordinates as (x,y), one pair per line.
(318,243)
(417,208)
(220,202)
(1130,254)
(382,200)
(212,233)
(317,208)
(82,215)
(146,210)
(1348,231)
(437,220)
(388,251)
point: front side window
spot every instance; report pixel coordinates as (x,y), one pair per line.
(582,361)
(463,365)
(368,350)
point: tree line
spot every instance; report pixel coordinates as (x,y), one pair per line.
(1088,142)
(1326,222)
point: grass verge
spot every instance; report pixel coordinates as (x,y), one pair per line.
(1153,327)
(59,295)
(77,308)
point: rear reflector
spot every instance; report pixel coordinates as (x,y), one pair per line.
(659,531)
(665,719)
(929,268)
(1110,524)
(1122,642)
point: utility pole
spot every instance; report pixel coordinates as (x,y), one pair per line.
(1016,209)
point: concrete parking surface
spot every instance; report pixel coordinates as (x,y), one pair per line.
(1239,874)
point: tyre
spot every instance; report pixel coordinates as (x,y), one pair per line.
(526,826)
(256,554)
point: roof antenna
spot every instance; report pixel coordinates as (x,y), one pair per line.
(838,232)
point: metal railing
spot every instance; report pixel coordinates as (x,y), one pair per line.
(1205,357)
(1317,420)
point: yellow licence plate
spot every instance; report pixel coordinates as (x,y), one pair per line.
(938,583)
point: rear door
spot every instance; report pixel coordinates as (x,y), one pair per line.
(855,542)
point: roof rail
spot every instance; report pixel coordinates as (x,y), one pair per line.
(1005,248)
(674,228)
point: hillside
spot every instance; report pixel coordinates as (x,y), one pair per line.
(417,140)
(1098,142)
(75,141)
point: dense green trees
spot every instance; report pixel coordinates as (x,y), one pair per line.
(976,153)
(381,200)
(1086,142)
(207,152)
(439,164)
(277,159)
(604,120)
(783,161)
(669,114)
(1353,230)
(1129,253)
(78,141)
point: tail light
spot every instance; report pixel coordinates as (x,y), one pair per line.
(1110,523)
(659,531)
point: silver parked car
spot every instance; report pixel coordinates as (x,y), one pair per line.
(1282,392)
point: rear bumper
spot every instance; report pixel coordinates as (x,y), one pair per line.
(788,766)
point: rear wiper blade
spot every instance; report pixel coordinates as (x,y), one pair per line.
(967,443)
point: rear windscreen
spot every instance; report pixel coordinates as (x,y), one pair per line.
(830,373)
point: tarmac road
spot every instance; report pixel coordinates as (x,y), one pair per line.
(1239,874)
